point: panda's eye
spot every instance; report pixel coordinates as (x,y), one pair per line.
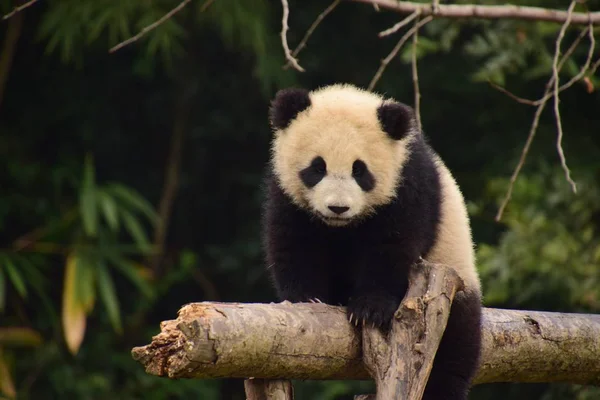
(358,168)
(318,165)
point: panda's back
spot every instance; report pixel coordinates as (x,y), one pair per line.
(454,244)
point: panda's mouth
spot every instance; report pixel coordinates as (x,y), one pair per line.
(335,221)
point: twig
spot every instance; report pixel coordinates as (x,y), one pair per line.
(565,57)
(513,96)
(399,25)
(586,65)
(595,66)
(284,27)
(536,118)
(19,8)
(312,28)
(395,50)
(561,154)
(156,24)
(415,75)
(486,12)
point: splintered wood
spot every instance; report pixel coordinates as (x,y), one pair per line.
(401,363)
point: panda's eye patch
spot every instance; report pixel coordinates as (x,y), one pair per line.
(362,175)
(358,168)
(318,164)
(313,174)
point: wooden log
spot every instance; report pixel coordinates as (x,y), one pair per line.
(266,389)
(315,341)
(401,362)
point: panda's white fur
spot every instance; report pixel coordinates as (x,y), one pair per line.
(454,244)
(342,123)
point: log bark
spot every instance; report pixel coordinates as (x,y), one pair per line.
(401,362)
(315,341)
(507,11)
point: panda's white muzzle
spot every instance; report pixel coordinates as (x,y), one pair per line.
(337,200)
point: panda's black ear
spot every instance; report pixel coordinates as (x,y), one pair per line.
(286,105)
(396,119)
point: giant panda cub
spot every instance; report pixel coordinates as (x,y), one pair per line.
(354,197)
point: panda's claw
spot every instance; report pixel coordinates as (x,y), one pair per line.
(351,316)
(373,310)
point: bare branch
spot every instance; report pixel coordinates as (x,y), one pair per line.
(310,30)
(513,96)
(595,66)
(399,25)
(563,161)
(538,113)
(396,49)
(486,12)
(560,65)
(19,9)
(152,26)
(415,77)
(284,27)
(586,65)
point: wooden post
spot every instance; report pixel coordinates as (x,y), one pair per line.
(268,389)
(401,363)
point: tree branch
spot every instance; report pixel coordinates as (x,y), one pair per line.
(552,90)
(556,80)
(13,33)
(154,25)
(19,9)
(399,25)
(395,50)
(284,43)
(401,363)
(415,78)
(310,30)
(316,341)
(486,12)
(171,181)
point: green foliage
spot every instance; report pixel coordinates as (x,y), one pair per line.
(76,230)
(552,244)
(69,26)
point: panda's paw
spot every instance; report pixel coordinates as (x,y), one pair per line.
(375,311)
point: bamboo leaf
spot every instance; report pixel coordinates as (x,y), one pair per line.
(135,229)
(109,209)
(130,197)
(18,336)
(87,203)
(85,282)
(73,312)
(128,269)
(108,295)
(2,291)
(7,385)
(15,276)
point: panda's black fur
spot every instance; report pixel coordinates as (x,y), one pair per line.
(364,266)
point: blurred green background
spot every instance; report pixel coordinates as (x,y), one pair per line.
(130,181)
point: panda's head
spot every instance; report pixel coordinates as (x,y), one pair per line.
(338,151)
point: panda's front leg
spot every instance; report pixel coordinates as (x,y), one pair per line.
(300,276)
(380,280)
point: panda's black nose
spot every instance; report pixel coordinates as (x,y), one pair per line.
(338,210)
